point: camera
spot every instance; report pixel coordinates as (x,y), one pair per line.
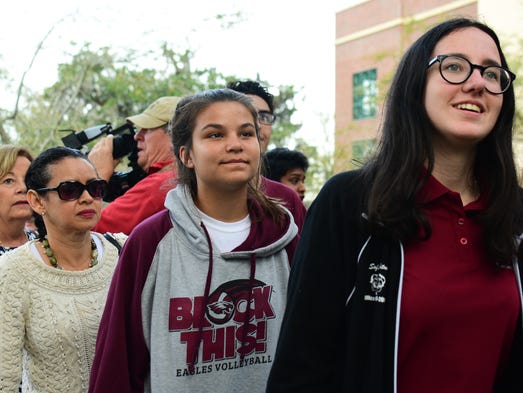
(123,145)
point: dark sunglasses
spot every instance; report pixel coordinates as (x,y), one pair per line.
(71,190)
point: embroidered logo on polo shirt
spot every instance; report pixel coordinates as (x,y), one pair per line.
(377,282)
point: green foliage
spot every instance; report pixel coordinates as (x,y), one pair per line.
(515,63)
(321,168)
(512,50)
(98,86)
(321,161)
(284,108)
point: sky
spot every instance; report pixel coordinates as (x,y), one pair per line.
(285,42)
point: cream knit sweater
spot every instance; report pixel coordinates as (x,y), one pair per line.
(49,321)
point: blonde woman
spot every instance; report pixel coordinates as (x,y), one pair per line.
(14,209)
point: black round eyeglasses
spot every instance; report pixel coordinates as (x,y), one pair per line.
(456,70)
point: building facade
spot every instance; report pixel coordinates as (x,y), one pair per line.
(371,37)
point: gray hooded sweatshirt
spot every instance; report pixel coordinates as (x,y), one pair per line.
(183,317)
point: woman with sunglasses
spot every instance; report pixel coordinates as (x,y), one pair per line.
(406,277)
(53,290)
(14,208)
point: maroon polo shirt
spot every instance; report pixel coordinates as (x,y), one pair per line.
(458,311)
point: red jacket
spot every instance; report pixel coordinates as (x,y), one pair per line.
(139,202)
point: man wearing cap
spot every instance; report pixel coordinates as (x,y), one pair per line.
(155,157)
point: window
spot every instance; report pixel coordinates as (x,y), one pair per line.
(365,93)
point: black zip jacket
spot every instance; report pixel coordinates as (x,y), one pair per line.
(340,330)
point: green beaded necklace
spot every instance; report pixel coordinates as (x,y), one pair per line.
(54,262)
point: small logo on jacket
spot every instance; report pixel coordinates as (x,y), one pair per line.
(377,283)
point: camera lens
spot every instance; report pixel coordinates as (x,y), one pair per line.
(123,145)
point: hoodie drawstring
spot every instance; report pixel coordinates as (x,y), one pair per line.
(204,303)
(206,300)
(249,298)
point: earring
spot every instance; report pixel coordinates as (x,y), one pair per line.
(43,213)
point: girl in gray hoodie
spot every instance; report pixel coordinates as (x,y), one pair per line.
(198,296)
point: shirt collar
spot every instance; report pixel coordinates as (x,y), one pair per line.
(157,166)
(432,189)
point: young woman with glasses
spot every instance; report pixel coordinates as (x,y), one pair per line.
(406,277)
(53,290)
